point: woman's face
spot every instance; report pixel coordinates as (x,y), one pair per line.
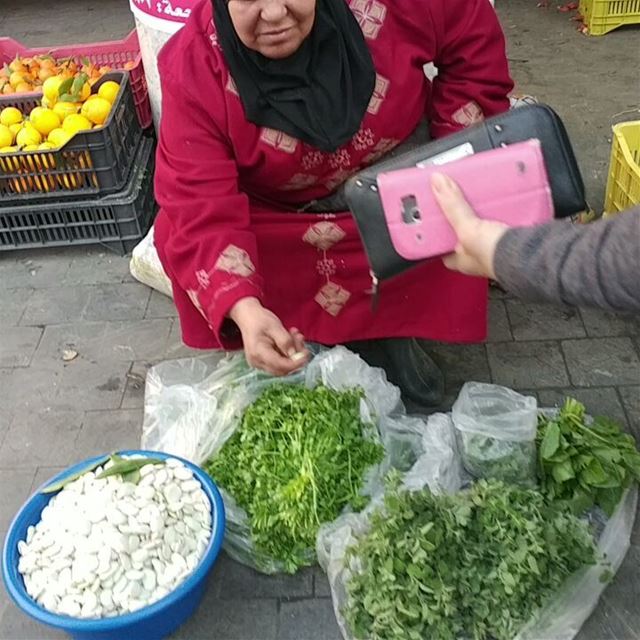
(274,28)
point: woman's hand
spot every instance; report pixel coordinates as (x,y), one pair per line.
(477,239)
(267,344)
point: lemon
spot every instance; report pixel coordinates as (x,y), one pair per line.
(28,136)
(10,115)
(14,128)
(64,109)
(34,113)
(109,90)
(30,147)
(96,110)
(47,146)
(59,137)
(47,103)
(6,137)
(45,121)
(85,92)
(51,88)
(76,122)
(8,149)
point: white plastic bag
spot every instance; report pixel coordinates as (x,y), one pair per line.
(561,619)
(194,405)
(145,266)
(496,431)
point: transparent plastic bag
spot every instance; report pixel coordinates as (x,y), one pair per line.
(563,616)
(496,431)
(145,266)
(193,406)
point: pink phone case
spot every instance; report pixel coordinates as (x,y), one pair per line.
(509,185)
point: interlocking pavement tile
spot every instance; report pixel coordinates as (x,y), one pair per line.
(18,345)
(41,438)
(236,581)
(461,363)
(631,400)
(115,341)
(46,268)
(13,303)
(600,323)
(105,431)
(79,384)
(308,620)
(15,485)
(623,594)
(598,401)
(321,587)
(160,306)
(127,301)
(605,624)
(56,305)
(527,365)
(92,386)
(543,322)
(231,620)
(499,330)
(6,418)
(133,397)
(602,362)
(95,266)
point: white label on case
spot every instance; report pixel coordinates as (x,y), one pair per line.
(457,153)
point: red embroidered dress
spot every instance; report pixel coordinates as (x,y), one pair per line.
(219,242)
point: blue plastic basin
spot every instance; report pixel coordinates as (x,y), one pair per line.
(149,623)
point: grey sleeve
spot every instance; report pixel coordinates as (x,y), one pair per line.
(592,265)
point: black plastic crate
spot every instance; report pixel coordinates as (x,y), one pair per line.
(117,221)
(93,162)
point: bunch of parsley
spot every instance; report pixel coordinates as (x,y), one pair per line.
(299,457)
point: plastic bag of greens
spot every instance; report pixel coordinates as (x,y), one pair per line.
(496,430)
(195,405)
(561,618)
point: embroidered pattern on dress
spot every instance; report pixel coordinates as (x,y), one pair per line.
(338,177)
(326,267)
(383,147)
(300,181)
(363,139)
(323,235)
(379,94)
(203,278)
(339,159)
(470,114)
(332,298)
(236,261)
(312,159)
(231,86)
(279,140)
(370,15)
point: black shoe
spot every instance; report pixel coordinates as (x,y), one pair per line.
(407,365)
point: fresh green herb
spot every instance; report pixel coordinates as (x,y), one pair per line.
(478,564)
(298,458)
(489,458)
(584,465)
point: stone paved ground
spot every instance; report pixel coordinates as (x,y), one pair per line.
(52,413)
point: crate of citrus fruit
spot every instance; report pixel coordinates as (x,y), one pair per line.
(76,139)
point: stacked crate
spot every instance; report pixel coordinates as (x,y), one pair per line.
(98,187)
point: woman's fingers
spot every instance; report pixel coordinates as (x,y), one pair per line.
(452,202)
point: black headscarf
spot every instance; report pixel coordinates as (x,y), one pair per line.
(320,93)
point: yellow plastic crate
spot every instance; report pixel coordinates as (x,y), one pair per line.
(602,16)
(623,183)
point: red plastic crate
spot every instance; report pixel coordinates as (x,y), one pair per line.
(114,54)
